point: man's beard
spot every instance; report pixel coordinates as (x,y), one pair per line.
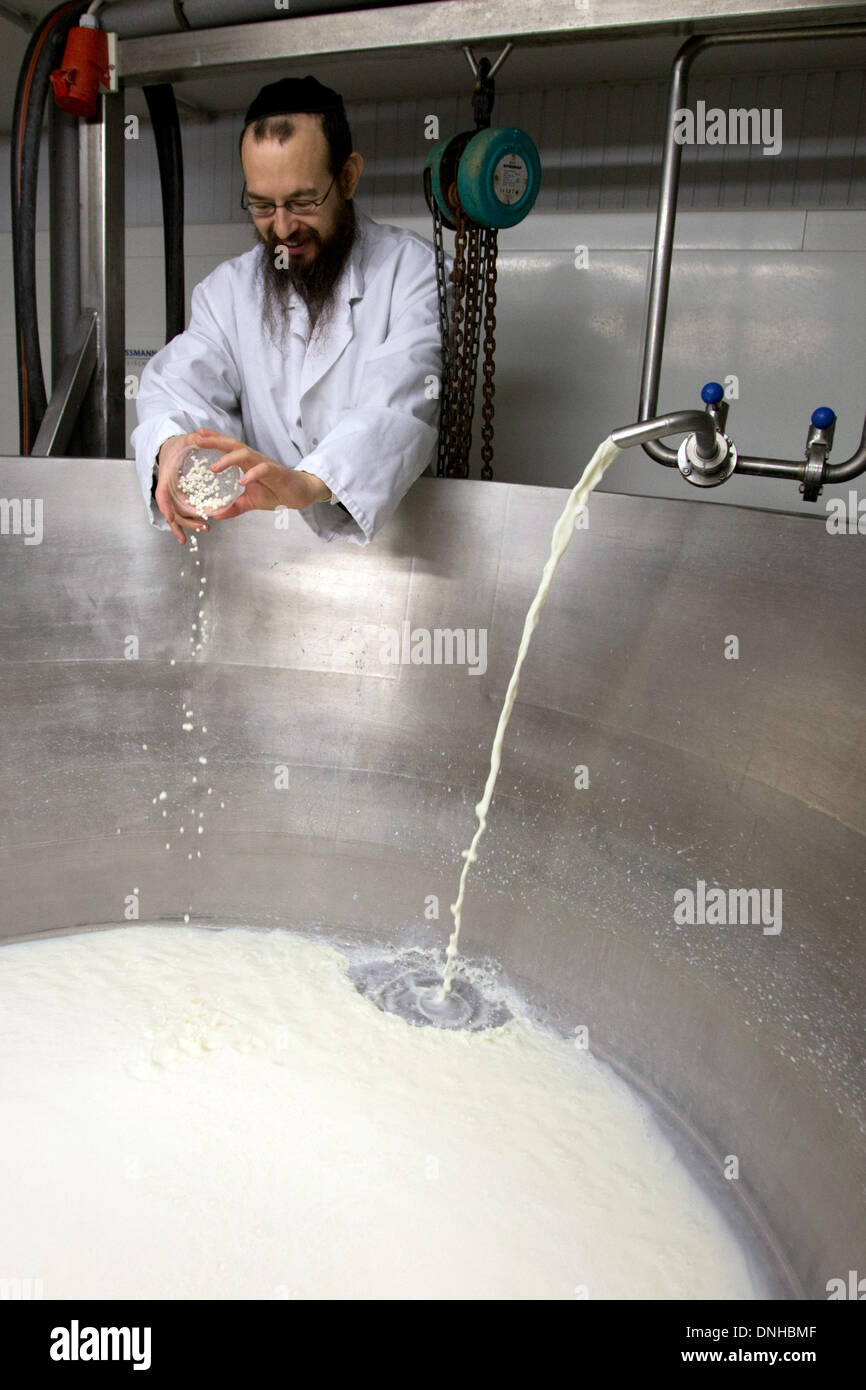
(315,281)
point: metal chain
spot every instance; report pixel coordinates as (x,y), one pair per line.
(444,334)
(488,389)
(474,281)
(471,342)
(456,415)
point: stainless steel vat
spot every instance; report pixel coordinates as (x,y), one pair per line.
(744,773)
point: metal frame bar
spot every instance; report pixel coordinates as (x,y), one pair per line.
(101,172)
(65,236)
(68,390)
(210,52)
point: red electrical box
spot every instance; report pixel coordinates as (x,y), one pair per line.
(84,69)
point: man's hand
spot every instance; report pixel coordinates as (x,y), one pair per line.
(267,484)
(173,503)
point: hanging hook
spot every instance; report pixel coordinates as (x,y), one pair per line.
(501,59)
(471,60)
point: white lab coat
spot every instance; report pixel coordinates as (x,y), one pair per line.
(359,409)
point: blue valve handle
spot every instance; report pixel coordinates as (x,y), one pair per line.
(823,417)
(712,393)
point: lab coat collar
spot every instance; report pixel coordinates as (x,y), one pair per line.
(354,270)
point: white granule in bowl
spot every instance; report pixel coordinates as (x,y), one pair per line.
(206,490)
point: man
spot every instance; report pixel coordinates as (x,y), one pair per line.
(312,359)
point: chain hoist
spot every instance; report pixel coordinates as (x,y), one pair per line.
(474,184)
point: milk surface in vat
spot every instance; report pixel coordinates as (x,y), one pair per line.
(191,1113)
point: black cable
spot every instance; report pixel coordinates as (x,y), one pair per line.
(44,53)
(166,132)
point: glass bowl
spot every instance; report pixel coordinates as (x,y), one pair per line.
(207,492)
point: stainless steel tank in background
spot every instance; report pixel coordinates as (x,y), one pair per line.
(739,773)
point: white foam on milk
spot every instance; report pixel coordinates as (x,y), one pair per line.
(220,1114)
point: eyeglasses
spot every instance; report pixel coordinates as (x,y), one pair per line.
(259,208)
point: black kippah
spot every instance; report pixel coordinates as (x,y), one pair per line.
(292,94)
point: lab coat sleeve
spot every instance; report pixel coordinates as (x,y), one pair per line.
(192,381)
(384,442)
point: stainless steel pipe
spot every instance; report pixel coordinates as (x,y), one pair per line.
(696,422)
(664,241)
